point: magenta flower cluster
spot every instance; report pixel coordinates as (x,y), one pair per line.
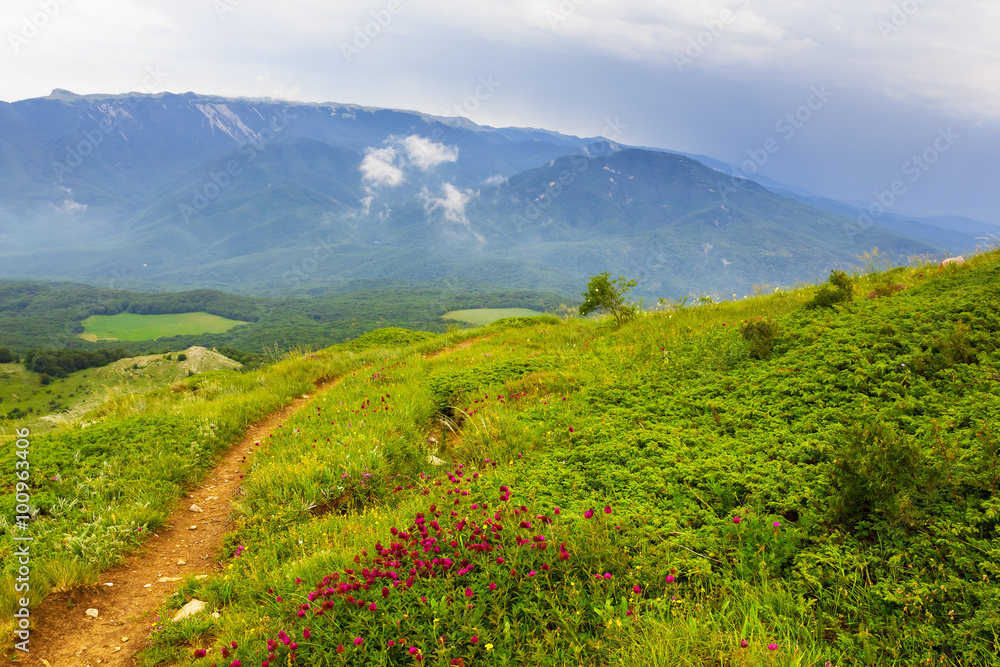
(459,542)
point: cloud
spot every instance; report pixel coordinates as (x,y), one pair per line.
(70,207)
(496,179)
(378,167)
(386,166)
(425,154)
(452,203)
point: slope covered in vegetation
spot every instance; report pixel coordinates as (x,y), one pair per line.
(754,482)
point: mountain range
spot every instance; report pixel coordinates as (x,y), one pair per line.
(260,196)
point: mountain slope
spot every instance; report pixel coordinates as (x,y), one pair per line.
(192,191)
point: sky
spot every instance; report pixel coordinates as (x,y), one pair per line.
(867,101)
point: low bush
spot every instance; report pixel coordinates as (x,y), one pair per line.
(761,333)
(839,288)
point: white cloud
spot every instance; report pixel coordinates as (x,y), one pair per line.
(496,179)
(378,167)
(385,166)
(70,207)
(425,154)
(452,203)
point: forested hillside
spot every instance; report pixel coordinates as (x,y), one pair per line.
(48,315)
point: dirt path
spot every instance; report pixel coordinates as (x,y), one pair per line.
(63,635)
(129,595)
(469,342)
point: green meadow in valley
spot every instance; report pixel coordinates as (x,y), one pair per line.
(801,478)
(129,326)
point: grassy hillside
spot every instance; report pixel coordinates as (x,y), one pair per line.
(29,400)
(754,482)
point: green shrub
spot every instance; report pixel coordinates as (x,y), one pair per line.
(181,357)
(839,288)
(761,333)
(879,473)
(521,322)
(447,386)
(884,290)
(388,337)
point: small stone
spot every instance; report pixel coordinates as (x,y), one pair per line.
(192,527)
(202,576)
(195,508)
(93,613)
(109,584)
(181,561)
(435,461)
(148,586)
(216,614)
(165,580)
(191,608)
(124,639)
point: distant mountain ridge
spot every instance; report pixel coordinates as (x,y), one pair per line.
(265,196)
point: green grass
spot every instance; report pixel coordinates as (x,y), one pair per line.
(26,402)
(827,497)
(480,317)
(129,326)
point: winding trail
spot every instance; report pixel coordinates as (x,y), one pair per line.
(129,595)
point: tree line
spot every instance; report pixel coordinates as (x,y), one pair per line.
(60,363)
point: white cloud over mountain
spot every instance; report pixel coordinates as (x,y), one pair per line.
(378,167)
(425,154)
(386,167)
(451,202)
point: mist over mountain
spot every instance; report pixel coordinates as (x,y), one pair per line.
(264,196)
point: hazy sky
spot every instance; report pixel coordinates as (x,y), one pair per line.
(842,97)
